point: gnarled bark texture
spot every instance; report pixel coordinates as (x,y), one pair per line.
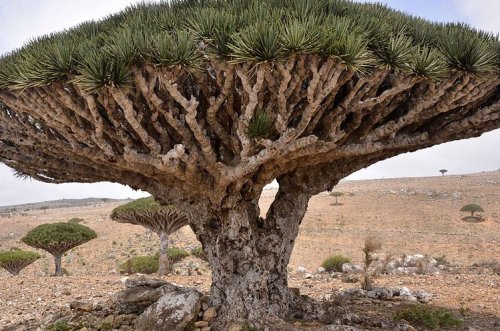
(184,138)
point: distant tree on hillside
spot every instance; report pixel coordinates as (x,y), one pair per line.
(472,208)
(443,171)
(336,195)
(58,238)
(16,260)
(164,220)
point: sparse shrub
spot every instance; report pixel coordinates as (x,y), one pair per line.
(428,317)
(176,254)
(190,327)
(335,262)
(16,260)
(140,264)
(76,220)
(59,326)
(371,246)
(472,208)
(104,326)
(58,238)
(199,253)
(248,327)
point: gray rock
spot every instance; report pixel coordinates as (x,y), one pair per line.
(404,291)
(173,312)
(320,270)
(352,268)
(81,306)
(136,299)
(308,276)
(141,280)
(301,269)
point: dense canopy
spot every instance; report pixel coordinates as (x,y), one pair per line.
(149,213)
(58,237)
(16,260)
(188,33)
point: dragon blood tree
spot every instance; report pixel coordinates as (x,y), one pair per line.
(203,103)
(16,260)
(58,238)
(161,219)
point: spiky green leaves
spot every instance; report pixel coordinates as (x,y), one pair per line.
(428,63)
(178,49)
(362,36)
(469,53)
(15,260)
(139,205)
(98,71)
(57,238)
(259,126)
(258,43)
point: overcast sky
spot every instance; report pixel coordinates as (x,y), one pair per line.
(21,20)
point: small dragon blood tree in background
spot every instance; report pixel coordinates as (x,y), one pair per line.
(16,260)
(161,219)
(472,208)
(58,238)
(204,103)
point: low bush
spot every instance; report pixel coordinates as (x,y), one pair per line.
(176,254)
(335,262)
(59,326)
(428,317)
(140,264)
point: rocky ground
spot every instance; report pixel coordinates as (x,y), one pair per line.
(410,216)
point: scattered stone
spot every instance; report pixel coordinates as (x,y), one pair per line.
(142,280)
(173,311)
(308,276)
(351,268)
(301,270)
(200,324)
(320,270)
(81,306)
(209,314)
(136,299)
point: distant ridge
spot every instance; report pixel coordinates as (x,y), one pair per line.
(62,203)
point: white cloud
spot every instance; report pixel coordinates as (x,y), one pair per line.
(483,14)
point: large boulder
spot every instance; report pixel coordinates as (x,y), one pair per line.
(140,293)
(173,311)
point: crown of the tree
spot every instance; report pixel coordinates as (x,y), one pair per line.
(149,213)
(214,99)
(57,238)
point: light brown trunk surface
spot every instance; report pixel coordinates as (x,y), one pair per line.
(57,260)
(164,267)
(249,256)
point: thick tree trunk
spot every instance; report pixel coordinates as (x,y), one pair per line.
(164,267)
(57,260)
(249,256)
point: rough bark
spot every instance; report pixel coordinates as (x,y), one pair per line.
(249,255)
(164,265)
(57,260)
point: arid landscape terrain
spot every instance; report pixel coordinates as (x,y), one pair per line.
(409,215)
